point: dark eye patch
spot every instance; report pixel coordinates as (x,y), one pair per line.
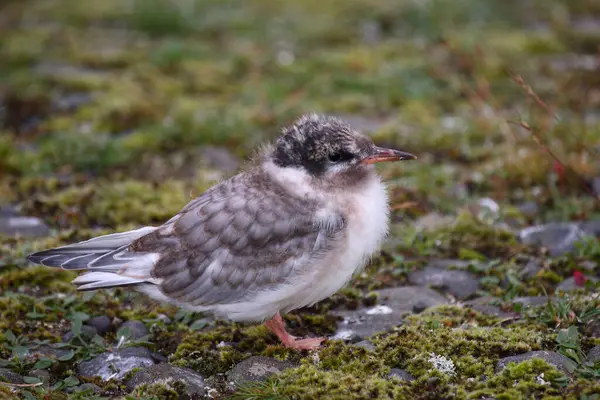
(340,156)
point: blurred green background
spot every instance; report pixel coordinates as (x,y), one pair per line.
(114,114)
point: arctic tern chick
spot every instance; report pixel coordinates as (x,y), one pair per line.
(289,231)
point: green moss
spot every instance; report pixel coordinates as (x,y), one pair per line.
(156,391)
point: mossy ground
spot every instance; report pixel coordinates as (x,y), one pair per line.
(104,108)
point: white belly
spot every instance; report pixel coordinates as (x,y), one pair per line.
(367,214)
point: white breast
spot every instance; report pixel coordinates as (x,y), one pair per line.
(367,215)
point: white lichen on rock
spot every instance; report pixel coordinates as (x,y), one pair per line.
(442,364)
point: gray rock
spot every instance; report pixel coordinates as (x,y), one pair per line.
(400,374)
(167,373)
(101,323)
(27,227)
(596,185)
(6,375)
(87,332)
(220,158)
(551,357)
(591,228)
(164,319)
(592,328)
(529,208)
(257,369)
(117,364)
(531,269)
(594,354)
(394,303)
(461,284)
(557,238)
(486,305)
(532,301)
(569,284)
(137,328)
(366,344)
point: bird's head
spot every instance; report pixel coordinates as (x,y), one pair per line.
(327,147)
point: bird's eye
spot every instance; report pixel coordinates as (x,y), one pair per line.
(335,157)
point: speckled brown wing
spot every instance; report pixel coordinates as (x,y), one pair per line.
(241,236)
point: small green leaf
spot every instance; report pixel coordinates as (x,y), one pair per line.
(81,316)
(42,363)
(27,395)
(470,254)
(198,324)
(76,327)
(10,336)
(67,356)
(35,315)
(71,381)
(123,334)
(31,379)
(20,351)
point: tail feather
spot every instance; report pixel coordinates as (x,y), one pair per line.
(106,257)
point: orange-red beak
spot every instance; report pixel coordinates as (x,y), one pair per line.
(380,154)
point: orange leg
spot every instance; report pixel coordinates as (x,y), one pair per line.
(277,326)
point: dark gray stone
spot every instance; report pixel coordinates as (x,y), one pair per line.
(117,364)
(557,238)
(596,185)
(257,369)
(400,374)
(164,319)
(591,228)
(551,357)
(167,373)
(529,208)
(461,284)
(532,301)
(394,303)
(137,328)
(531,269)
(592,328)
(101,323)
(569,284)
(366,344)
(19,226)
(487,305)
(6,375)
(220,158)
(594,354)
(87,332)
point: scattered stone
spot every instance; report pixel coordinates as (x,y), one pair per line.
(400,374)
(592,328)
(532,301)
(591,228)
(569,284)
(529,209)
(167,373)
(485,305)
(27,227)
(419,307)
(7,375)
(220,158)
(138,329)
(87,332)
(394,303)
(557,238)
(257,369)
(531,269)
(461,284)
(551,357)
(596,185)
(101,323)
(594,354)
(117,364)
(164,319)
(366,344)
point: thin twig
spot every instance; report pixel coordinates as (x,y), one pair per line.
(539,142)
(519,81)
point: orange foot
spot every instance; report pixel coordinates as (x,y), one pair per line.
(277,326)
